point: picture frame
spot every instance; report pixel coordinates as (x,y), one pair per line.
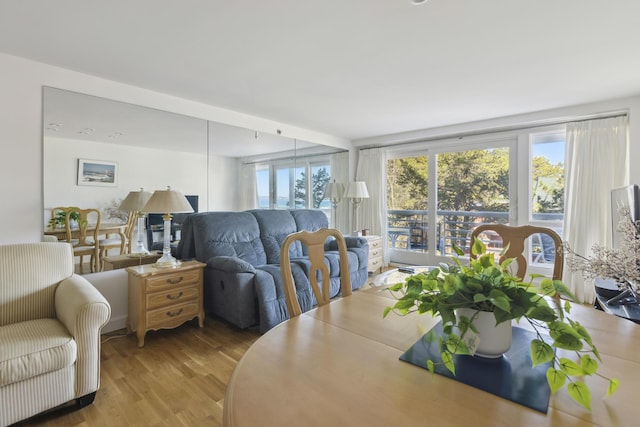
(97,173)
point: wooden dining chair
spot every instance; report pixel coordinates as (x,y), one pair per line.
(84,238)
(118,242)
(515,238)
(315,243)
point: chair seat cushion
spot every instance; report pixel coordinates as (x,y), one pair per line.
(33,348)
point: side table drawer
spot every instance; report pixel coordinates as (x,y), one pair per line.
(374,263)
(375,244)
(172,315)
(375,253)
(172,296)
(170,281)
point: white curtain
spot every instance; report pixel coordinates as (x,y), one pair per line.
(249,192)
(340,172)
(372,213)
(597,160)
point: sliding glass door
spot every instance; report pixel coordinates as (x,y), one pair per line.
(435,198)
(438,194)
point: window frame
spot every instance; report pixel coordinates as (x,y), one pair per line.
(307,163)
(520,144)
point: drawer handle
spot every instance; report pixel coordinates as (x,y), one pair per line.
(374,262)
(171,297)
(175,281)
(175,313)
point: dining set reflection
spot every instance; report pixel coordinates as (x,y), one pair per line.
(89,236)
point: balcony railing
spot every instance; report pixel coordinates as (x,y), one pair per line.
(409,229)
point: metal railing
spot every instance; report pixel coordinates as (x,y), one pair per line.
(408,229)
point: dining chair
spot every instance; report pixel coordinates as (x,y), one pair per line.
(314,241)
(84,238)
(516,237)
(117,242)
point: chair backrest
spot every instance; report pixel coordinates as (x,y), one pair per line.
(132,220)
(515,238)
(314,241)
(88,226)
(29,276)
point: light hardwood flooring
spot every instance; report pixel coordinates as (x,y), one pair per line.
(178,378)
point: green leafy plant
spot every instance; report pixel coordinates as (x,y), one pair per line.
(60,219)
(488,286)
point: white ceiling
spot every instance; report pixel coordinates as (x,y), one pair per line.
(349,68)
(76,116)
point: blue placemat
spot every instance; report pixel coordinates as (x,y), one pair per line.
(510,377)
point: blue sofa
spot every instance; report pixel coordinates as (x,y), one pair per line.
(242,281)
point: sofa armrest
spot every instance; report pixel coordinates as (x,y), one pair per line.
(230,265)
(83,311)
(351,242)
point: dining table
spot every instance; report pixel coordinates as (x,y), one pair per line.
(339,364)
(106,228)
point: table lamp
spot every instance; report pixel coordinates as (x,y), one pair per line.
(167,202)
(333,192)
(133,203)
(356,191)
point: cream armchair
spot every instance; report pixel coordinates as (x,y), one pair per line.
(50,322)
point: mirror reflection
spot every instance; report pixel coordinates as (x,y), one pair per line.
(97,151)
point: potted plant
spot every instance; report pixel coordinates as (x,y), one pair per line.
(60,218)
(488,287)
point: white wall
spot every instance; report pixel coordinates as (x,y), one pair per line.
(137,167)
(21,83)
(21,155)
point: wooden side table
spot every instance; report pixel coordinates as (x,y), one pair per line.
(375,253)
(164,298)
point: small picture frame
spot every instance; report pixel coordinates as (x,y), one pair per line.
(97,173)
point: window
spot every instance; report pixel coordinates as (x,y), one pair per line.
(284,185)
(436,195)
(435,199)
(547,177)
(473,189)
(546,195)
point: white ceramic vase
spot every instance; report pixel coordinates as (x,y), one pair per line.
(494,340)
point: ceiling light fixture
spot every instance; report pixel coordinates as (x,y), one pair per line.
(417,2)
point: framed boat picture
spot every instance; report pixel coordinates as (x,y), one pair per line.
(97,173)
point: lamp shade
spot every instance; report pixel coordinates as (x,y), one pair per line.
(135,201)
(357,190)
(167,201)
(333,191)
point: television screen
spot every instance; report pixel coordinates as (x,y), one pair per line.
(628,197)
(156,219)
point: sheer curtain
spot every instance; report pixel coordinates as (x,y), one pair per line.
(249,193)
(340,172)
(596,161)
(372,164)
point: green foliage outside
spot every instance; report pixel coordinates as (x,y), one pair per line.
(548,186)
(318,181)
(469,181)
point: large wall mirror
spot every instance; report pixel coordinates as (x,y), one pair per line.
(144,148)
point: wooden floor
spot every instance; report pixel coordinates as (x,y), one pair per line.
(178,378)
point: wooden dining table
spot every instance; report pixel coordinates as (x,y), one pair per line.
(105,228)
(339,365)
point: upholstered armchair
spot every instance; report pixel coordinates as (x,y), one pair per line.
(50,322)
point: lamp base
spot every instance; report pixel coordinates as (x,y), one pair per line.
(167,262)
(139,250)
